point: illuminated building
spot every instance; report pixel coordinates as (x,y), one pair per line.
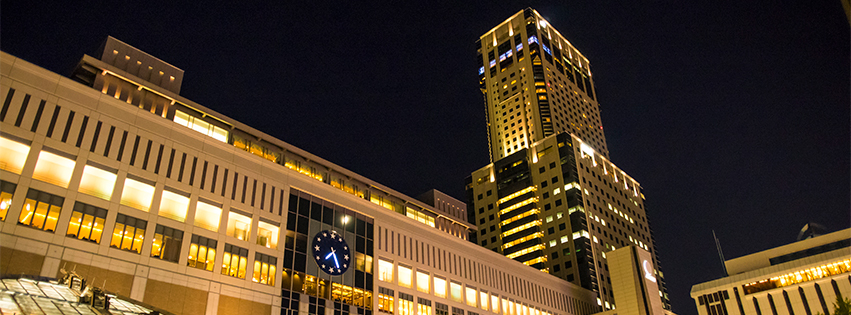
(536,84)
(551,198)
(111,173)
(803,277)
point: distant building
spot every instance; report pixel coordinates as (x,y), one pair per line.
(635,282)
(551,198)
(804,277)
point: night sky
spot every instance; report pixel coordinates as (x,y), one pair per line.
(733,116)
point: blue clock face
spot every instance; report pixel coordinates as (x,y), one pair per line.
(331,252)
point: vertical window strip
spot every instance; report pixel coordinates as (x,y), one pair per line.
(170,164)
(68,126)
(38,114)
(203,175)
(95,137)
(182,166)
(135,149)
(804,300)
(23,110)
(253,192)
(121,147)
(82,131)
(53,119)
(233,190)
(281,203)
(224,182)
(215,176)
(262,196)
(159,159)
(244,187)
(192,173)
(147,155)
(6,104)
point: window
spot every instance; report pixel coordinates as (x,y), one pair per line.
(86,222)
(97,182)
(267,235)
(455,291)
(128,233)
(202,253)
(201,126)
(238,226)
(7,190)
(495,303)
(54,169)
(483,298)
(405,276)
(264,269)
(207,216)
(441,309)
(423,306)
(471,296)
(385,270)
(385,300)
(423,282)
(137,194)
(174,205)
(439,287)
(41,210)
(166,245)
(13,154)
(406,304)
(235,261)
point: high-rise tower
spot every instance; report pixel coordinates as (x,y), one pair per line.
(535,84)
(551,198)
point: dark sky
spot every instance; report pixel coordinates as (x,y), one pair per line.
(733,116)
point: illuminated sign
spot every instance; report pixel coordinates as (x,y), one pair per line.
(648,271)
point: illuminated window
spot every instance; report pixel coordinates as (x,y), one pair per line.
(201,126)
(97,182)
(385,270)
(86,222)
(238,226)
(439,287)
(166,245)
(7,190)
(483,300)
(363,262)
(174,205)
(54,169)
(455,292)
(423,306)
(202,253)
(471,296)
(405,275)
(423,281)
(267,235)
(264,269)
(406,304)
(385,300)
(128,233)
(420,216)
(13,154)
(207,216)
(137,194)
(41,210)
(495,304)
(234,262)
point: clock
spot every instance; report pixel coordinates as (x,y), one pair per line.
(331,252)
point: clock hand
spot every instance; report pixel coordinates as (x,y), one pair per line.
(331,253)
(335,261)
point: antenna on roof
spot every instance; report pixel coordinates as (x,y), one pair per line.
(720,253)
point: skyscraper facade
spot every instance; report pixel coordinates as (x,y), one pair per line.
(551,198)
(536,84)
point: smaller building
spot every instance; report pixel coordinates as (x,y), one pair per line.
(634,282)
(804,277)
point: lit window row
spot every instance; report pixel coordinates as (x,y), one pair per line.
(522,239)
(518,205)
(201,126)
(516,194)
(799,276)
